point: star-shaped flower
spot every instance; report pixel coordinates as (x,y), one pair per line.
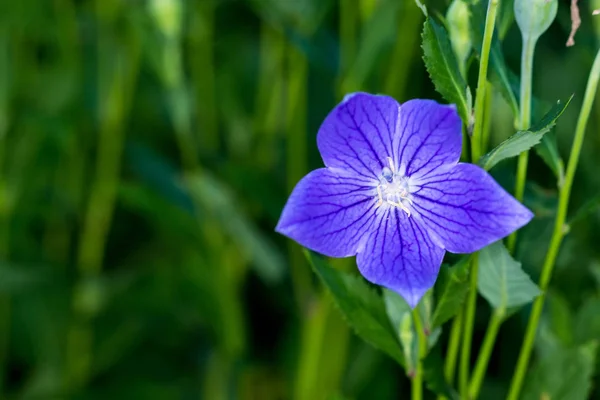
(394,194)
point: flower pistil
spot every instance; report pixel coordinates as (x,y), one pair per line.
(394,188)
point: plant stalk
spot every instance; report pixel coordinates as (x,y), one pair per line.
(476,140)
(524,121)
(469,321)
(476,153)
(559,231)
(485,353)
(417,380)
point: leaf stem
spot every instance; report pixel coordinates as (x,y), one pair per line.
(487,120)
(490,21)
(476,152)
(417,382)
(453,346)
(485,353)
(469,318)
(558,233)
(452,353)
(524,120)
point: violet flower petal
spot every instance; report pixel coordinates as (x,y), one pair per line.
(401,256)
(430,136)
(329,212)
(357,134)
(464,209)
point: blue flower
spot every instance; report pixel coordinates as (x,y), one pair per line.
(394,194)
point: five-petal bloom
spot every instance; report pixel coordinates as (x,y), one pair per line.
(394,194)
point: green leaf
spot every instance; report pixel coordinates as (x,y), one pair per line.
(589,207)
(453,289)
(501,280)
(17,279)
(376,35)
(502,78)
(442,66)
(506,17)
(396,307)
(548,151)
(363,309)
(560,319)
(400,315)
(595,271)
(565,373)
(587,321)
(215,199)
(524,140)
(433,374)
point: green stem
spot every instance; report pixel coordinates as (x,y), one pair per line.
(5,209)
(348,32)
(324,346)
(487,119)
(465,353)
(410,18)
(558,233)
(485,353)
(476,152)
(296,159)
(453,346)
(417,381)
(201,43)
(452,352)
(270,94)
(116,81)
(490,21)
(524,120)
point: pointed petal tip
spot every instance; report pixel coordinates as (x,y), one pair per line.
(413,301)
(327,213)
(412,296)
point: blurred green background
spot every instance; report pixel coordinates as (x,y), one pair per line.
(147,148)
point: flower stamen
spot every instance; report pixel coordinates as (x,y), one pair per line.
(393,189)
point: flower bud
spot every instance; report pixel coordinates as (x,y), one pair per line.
(535,16)
(457,21)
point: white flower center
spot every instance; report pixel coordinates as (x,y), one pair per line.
(394,189)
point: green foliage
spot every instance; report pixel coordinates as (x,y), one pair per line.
(457,22)
(525,140)
(453,289)
(377,31)
(501,281)
(506,17)
(586,210)
(433,370)
(215,199)
(503,78)
(364,310)
(586,326)
(443,68)
(400,315)
(563,374)
(146,152)
(548,150)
